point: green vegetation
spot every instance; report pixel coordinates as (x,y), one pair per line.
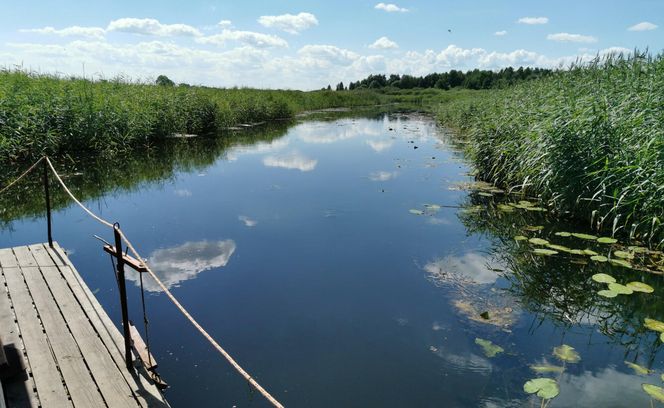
(588,141)
(43,114)
(475,79)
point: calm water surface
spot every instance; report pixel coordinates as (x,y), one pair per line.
(299,252)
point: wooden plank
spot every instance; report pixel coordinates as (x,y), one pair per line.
(106,373)
(24,256)
(18,394)
(41,255)
(141,349)
(147,393)
(7,258)
(79,382)
(48,382)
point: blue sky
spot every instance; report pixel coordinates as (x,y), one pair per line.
(306,45)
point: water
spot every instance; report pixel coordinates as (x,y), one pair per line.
(296,248)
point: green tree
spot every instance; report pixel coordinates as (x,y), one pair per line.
(163,80)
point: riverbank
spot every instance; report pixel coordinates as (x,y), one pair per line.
(43,114)
(587,141)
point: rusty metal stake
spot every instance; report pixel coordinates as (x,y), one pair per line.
(47,195)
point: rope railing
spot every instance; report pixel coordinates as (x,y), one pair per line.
(163,287)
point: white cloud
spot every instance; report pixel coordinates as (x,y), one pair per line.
(470,266)
(289,23)
(258,40)
(328,53)
(247,221)
(382,175)
(186,261)
(533,20)
(293,161)
(151,26)
(500,33)
(390,8)
(567,37)
(89,32)
(643,26)
(225,24)
(380,145)
(384,43)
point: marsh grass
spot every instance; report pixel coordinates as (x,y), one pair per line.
(45,114)
(589,141)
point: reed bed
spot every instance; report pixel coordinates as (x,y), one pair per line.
(45,114)
(588,140)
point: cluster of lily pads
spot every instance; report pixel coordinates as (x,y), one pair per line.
(614,288)
(545,387)
(429,209)
(521,205)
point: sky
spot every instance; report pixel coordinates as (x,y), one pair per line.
(308,45)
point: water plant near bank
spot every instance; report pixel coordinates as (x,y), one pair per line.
(587,141)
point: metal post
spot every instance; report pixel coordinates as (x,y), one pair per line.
(48,204)
(123,295)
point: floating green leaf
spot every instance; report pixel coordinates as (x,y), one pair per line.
(606,240)
(520,238)
(654,391)
(607,293)
(544,387)
(603,278)
(505,208)
(584,236)
(576,251)
(416,212)
(538,209)
(432,207)
(623,254)
(638,249)
(547,368)
(620,289)
(661,338)
(566,353)
(563,234)
(544,252)
(599,258)
(590,252)
(640,287)
(538,241)
(558,247)
(637,368)
(483,194)
(490,349)
(525,203)
(620,262)
(653,324)
(533,228)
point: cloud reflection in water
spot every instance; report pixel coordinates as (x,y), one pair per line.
(185,262)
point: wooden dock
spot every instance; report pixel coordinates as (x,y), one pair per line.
(72,352)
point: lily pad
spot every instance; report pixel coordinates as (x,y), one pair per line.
(584,236)
(490,349)
(505,208)
(520,238)
(653,324)
(559,247)
(566,353)
(416,212)
(623,255)
(657,393)
(599,258)
(533,228)
(538,241)
(590,252)
(640,287)
(483,194)
(620,289)
(547,368)
(603,278)
(525,203)
(432,207)
(606,240)
(638,249)
(544,252)
(607,293)
(545,388)
(661,338)
(620,262)
(563,234)
(538,209)
(638,369)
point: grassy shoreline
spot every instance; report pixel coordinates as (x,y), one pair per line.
(589,141)
(43,114)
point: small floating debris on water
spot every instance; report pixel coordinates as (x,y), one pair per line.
(416,212)
(490,350)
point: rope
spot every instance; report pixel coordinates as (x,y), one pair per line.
(5,188)
(168,293)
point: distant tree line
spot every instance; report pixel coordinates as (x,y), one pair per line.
(475,79)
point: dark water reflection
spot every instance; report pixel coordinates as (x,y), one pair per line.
(296,247)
